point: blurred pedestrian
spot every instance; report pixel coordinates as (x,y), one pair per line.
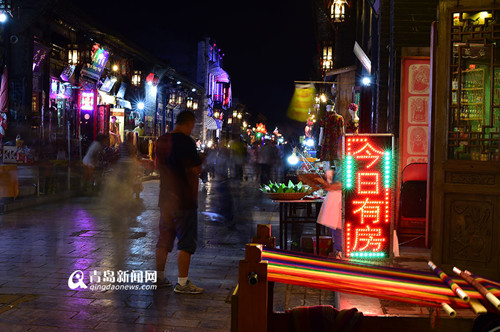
(124,179)
(268,156)
(180,167)
(253,160)
(238,156)
(209,162)
(91,161)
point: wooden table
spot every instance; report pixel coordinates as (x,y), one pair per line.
(289,215)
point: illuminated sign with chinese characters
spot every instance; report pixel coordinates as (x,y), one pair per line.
(87,101)
(368,195)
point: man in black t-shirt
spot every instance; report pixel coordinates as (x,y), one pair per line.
(180,167)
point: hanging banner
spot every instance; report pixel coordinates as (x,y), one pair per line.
(67,72)
(368,190)
(302,102)
(39,55)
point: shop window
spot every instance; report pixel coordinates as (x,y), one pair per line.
(136,78)
(172,99)
(474,87)
(327,58)
(73,57)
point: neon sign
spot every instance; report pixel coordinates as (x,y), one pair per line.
(99,57)
(87,101)
(368,195)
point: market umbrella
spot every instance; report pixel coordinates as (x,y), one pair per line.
(4,102)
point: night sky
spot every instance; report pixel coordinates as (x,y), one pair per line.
(267,44)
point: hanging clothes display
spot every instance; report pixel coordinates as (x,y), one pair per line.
(333,129)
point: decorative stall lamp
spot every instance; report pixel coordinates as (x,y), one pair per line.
(338,10)
(293,159)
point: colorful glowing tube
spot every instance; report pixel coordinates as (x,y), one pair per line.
(454,287)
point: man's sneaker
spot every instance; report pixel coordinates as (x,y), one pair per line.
(188,288)
(163,283)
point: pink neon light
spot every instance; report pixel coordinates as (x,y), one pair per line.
(87,101)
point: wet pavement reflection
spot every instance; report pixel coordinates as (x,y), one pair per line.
(41,247)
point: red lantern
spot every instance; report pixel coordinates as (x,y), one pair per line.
(152,79)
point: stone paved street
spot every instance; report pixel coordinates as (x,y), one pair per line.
(40,247)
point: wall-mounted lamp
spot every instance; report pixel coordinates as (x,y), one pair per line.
(338,10)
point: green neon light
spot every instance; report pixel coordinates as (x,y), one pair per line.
(349,172)
(387,169)
(367,254)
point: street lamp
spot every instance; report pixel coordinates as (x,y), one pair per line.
(5,10)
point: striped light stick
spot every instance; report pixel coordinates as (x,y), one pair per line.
(447,280)
(467,276)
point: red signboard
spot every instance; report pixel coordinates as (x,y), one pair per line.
(414,110)
(368,191)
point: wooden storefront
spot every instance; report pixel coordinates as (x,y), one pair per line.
(464,191)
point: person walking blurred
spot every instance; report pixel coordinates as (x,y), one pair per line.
(268,156)
(238,156)
(180,167)
(253,160)
(91,161)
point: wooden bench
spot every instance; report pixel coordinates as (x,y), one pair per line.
(252,301)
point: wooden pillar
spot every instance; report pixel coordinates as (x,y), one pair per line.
(264,236)
(253,291)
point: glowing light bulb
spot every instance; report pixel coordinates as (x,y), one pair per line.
(293,160)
